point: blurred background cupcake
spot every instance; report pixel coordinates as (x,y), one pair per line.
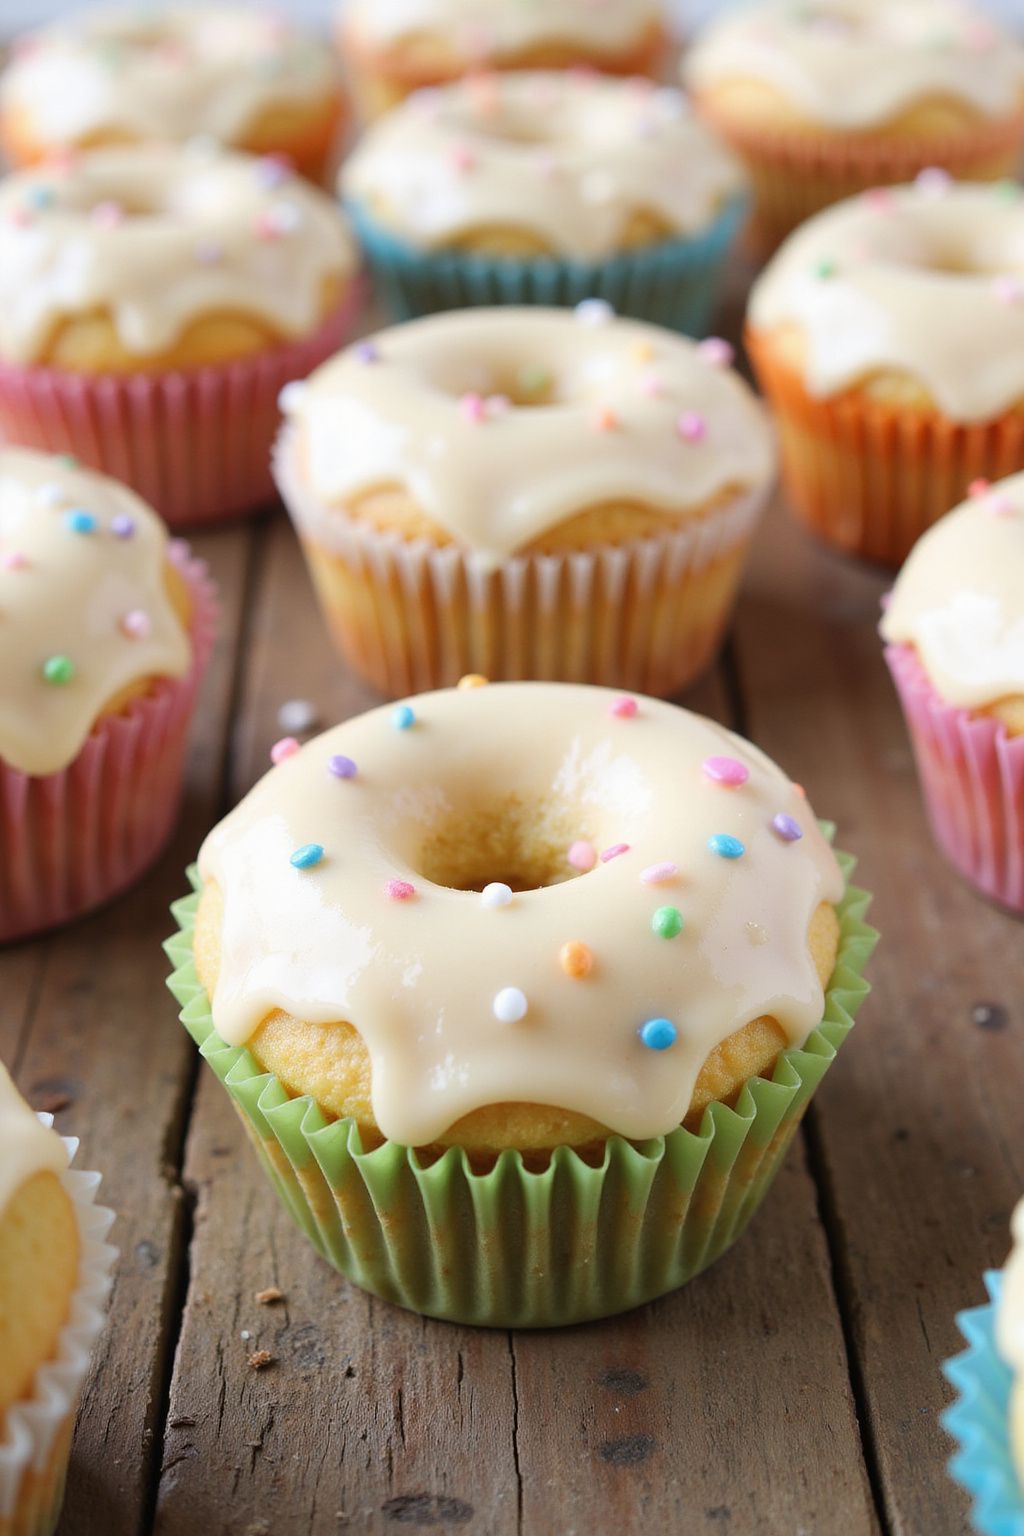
(546,188)
(824,98)
(393,47)
(526,493)
(955,633)
(107,631)
(244,77)
(888,336)
(153,302)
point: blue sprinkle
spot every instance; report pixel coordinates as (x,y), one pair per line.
(789,830)
(40,197)
(658,1034)
(726,846)
(403,717)
(80,521)
(308,855)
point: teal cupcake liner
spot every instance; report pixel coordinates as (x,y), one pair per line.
(673,283)
(979,1421)
(515,1247)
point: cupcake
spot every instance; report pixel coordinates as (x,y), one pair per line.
(54,1279)
(954,628)
(888,335)
(521,991)
(393,47)
(526,493)
(106,634)
(828,98)
(153,302)
(546,188)
(107,77)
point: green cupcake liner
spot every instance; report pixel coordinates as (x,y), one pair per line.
(514,1247)
(674,283)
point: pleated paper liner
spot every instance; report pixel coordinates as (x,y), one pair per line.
(513,1247)
(972,776)
(674,283)
(795,175)
(37,1440)
(72,840)
(871,477)
(409,616)
(979,1421)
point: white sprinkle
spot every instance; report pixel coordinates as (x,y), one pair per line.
(497,894)
(933,181)
(510,1005)
(296,716)
(245,1335)
(594,312)
(290,398)
(51,494)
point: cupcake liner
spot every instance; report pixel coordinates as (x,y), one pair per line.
(409,616)
(972,775)
(194,443)
(34,1451)
(979,1422)
(75,838)
(515,1247)
(674,283)
(871,477)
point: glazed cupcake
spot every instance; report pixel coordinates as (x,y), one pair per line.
(107,631)
(955,631)
(521,991)
(526,493)
(244,77)
(888,336)
(153,302)
(546,188)
(54,1279)
(828,98)
(393,47)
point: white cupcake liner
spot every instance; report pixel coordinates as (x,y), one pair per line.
(33,1461)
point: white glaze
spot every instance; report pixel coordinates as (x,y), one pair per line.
(857,64)
(71,597)
(26,1146)
(869,285)
(959,600)
(498,484)
(488,29)
(219,233)
(569,158)
(418,978)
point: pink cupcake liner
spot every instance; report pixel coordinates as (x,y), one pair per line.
(73,839)
(194,443)
(972,776)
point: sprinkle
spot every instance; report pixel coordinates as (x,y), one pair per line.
(727,771)
(825,268)
(66,460)
(1006,191)
(658,1034)
(307,856)
(605,419)
(933,181)
(497,405)
(122,526)
(497,894)
(51,494)
(471,407)
(998,505)
(756,934)
(273,171)
(593,312)
(691,427)
(582,856)
(22,217)
(658,874)
(14,560)
(58,669)
(799,789)
(341,766)
(136,624)
(726,846)
(399,890)
(403,717)
(208,253)
(473,680)
(533,380)
(1007,289)
(365,352)
(40,197)
(715,352)
(666,922)
(463,158)
(297,716)
(642,351)
(576,959)
(286,747)
(284,217)
(623,708)
(107,215)
(789,830)
(878,199)
(510,1005)
(291,396)
(80,521)
(614,852)
(652,386)
(979,487)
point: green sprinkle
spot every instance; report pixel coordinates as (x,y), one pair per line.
(1006,191)
(667,922)
(67,460)
(533,380)
(58,669)
(826,267)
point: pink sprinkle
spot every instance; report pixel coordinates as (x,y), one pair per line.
(715,351)
(266,227)
(1007,289)
(691,427)
(1000,506)
(623,708)
(497,405)
(978,487)
(933,181)
(14,560)
(473,408)
(136,624)
(728,771)
(652,385)
(582,856)
(107,215)
(286,747)
(878,199)
(614,852)
(605,419)
(21,216)
(399,890)
(658,874)
(463,158)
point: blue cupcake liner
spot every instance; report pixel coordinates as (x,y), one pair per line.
(674,283)
(979,1422)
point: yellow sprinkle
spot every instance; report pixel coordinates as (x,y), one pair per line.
(643,351)
(473,680)
(576,959)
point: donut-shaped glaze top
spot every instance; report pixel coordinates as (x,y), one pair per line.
(84,605)
(27,1147)
(484,29)
(338,873)
(160,238)
(162,73)
(924,280)
(857,64)
(1010,1317)
(502,423)
(567,157)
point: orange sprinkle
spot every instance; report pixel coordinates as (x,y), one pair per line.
(605,420)
(473,680)
(800,791)
(576,959)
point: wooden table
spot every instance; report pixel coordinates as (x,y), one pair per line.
(794,1388)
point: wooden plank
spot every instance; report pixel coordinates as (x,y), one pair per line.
(919,1134)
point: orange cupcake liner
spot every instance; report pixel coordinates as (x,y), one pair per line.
(871,477)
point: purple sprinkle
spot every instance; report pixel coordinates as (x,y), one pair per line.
(365,352)
(122,526)
(789,830)
(342,767)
